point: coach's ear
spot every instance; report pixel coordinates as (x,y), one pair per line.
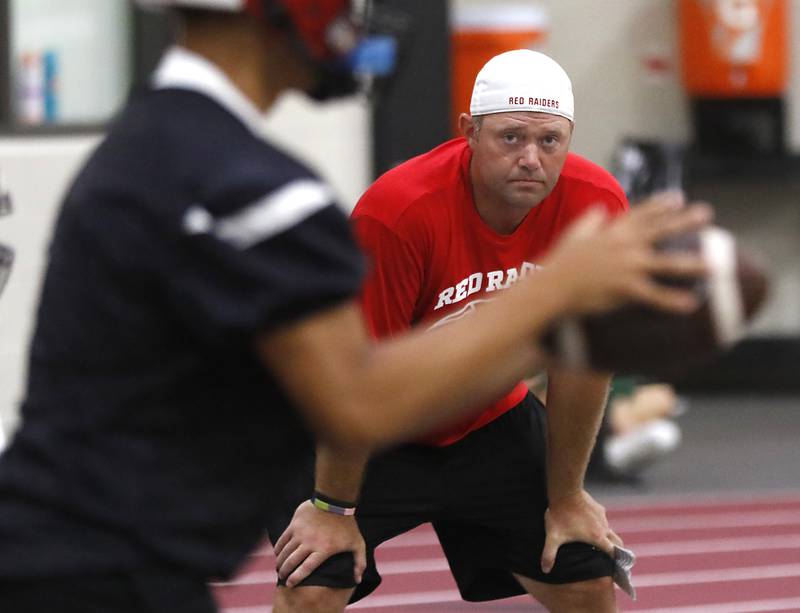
(467,127)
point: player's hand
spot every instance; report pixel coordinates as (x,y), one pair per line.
(576,518)
(311,538)
(602,264)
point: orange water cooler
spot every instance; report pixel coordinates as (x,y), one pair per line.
(735,69)
(480,32)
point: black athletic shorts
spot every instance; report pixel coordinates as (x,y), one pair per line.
(485,496)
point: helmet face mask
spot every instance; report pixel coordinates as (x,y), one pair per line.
(349,42)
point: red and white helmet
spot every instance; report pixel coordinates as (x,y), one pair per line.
(330,32)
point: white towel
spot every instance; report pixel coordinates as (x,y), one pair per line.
(624,559)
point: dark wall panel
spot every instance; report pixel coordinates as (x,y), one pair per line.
(411,114)
(153,33)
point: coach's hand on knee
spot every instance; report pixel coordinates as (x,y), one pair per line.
(311,538)
(576,518)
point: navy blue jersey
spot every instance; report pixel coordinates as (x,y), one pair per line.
(150,429)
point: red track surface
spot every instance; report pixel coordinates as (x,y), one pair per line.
(729,555)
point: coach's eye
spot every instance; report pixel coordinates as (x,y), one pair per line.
(510,138)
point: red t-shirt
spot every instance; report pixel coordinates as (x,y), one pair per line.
(434,259)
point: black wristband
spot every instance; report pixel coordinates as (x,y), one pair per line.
(330,507)
(334,501)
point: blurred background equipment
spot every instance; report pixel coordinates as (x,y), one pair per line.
(643,168)
(70,62)
(735,60)
(639,429)
(410,114)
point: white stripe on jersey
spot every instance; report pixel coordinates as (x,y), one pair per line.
(268,217)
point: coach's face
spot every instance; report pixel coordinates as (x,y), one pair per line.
(517,156)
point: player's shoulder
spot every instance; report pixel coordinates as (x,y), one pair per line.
(212,154)
(584,177)
(413,188)
(224,141)
(176,161)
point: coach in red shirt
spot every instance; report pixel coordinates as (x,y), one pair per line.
(446,231)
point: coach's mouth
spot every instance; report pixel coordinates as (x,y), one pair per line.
(528,181)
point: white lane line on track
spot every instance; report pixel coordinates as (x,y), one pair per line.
(719,520)
(777,604)
(756,498)
(404,567)
(717,575)
(700,546)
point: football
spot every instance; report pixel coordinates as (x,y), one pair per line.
(640,340)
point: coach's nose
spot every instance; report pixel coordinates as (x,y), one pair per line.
(529,157)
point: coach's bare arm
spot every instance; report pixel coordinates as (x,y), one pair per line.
(355,391)
(575,405)
(314,535)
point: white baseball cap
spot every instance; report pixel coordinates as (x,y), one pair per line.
(523,80)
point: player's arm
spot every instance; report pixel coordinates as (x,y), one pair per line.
(575,405)
(368,394)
